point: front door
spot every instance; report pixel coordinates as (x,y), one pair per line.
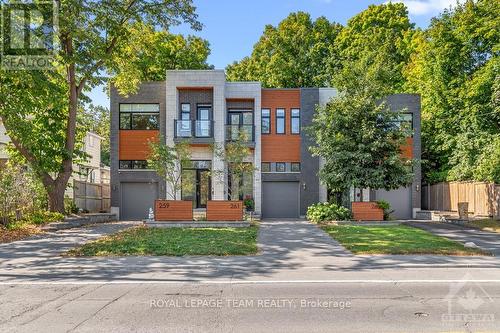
(203,192)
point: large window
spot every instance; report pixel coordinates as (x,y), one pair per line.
(295,121)
(280,121)
(266,121)
(139,116)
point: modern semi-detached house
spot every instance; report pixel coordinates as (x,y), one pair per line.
(201,106)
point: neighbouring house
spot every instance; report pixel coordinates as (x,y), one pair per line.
(4,140)
(90,170)
(200,105)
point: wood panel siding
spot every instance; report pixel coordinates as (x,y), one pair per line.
(367,211)
(173,210)
(224,210)
(280,147)
(407,149)
(134,144)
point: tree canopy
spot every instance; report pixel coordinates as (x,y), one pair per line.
(296,53)
(40,109)
(455,68)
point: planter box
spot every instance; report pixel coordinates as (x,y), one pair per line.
(173,210)
(367,211)
(224,210)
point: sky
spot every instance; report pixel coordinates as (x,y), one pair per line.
(233,26)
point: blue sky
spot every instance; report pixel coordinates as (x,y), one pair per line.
(233,26)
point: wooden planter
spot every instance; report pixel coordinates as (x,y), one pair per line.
(224,210)
(367,211)
(173,210)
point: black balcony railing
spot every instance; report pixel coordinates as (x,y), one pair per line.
(194,128)
(233,132)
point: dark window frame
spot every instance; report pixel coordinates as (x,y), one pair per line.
(292,117)
(276,121)
(268,117)
(133,164)
(262,166)
(131,117)
(295,163)
(284,167)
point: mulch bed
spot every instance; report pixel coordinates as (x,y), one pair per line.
(7,236)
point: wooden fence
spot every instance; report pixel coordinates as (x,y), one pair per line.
(483,198)
(92,197)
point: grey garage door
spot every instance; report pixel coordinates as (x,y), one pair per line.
(280,199)
(137,198)
(400,201)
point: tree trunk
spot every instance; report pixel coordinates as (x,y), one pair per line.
(56,196)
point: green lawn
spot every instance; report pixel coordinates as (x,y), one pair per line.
(173,242)
(487,225)
(395,240)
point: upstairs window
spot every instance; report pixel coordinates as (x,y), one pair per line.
(280,121)
(295,121)
(139,116)
(266,121)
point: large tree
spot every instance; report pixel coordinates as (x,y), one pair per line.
(294,54)
(378,41)
(91,34)
(456,69)
(360,143)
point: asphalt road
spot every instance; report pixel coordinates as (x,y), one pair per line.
(301,281)
(252,307)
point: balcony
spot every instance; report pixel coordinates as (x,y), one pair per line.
(202,129)
(234,131)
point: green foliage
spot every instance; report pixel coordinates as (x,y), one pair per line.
(43,217)
(40,108)
(21,194)
(235,155)
(324,211)
(374,45)
(455,67)
(386,207)
(296,53)
(168,162)
(360,144)
(249,204)
(150,53)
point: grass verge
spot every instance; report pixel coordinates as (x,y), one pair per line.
(486,225)
(173,242)
(398,239)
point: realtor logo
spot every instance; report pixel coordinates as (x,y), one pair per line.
(28,35)
(467,301)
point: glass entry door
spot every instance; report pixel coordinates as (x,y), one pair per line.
(203,192)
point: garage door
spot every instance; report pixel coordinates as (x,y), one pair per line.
(137,198)
(400,201)
(280,199)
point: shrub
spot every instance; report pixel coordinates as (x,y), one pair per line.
(249,204)
(325,211)
(386,207)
